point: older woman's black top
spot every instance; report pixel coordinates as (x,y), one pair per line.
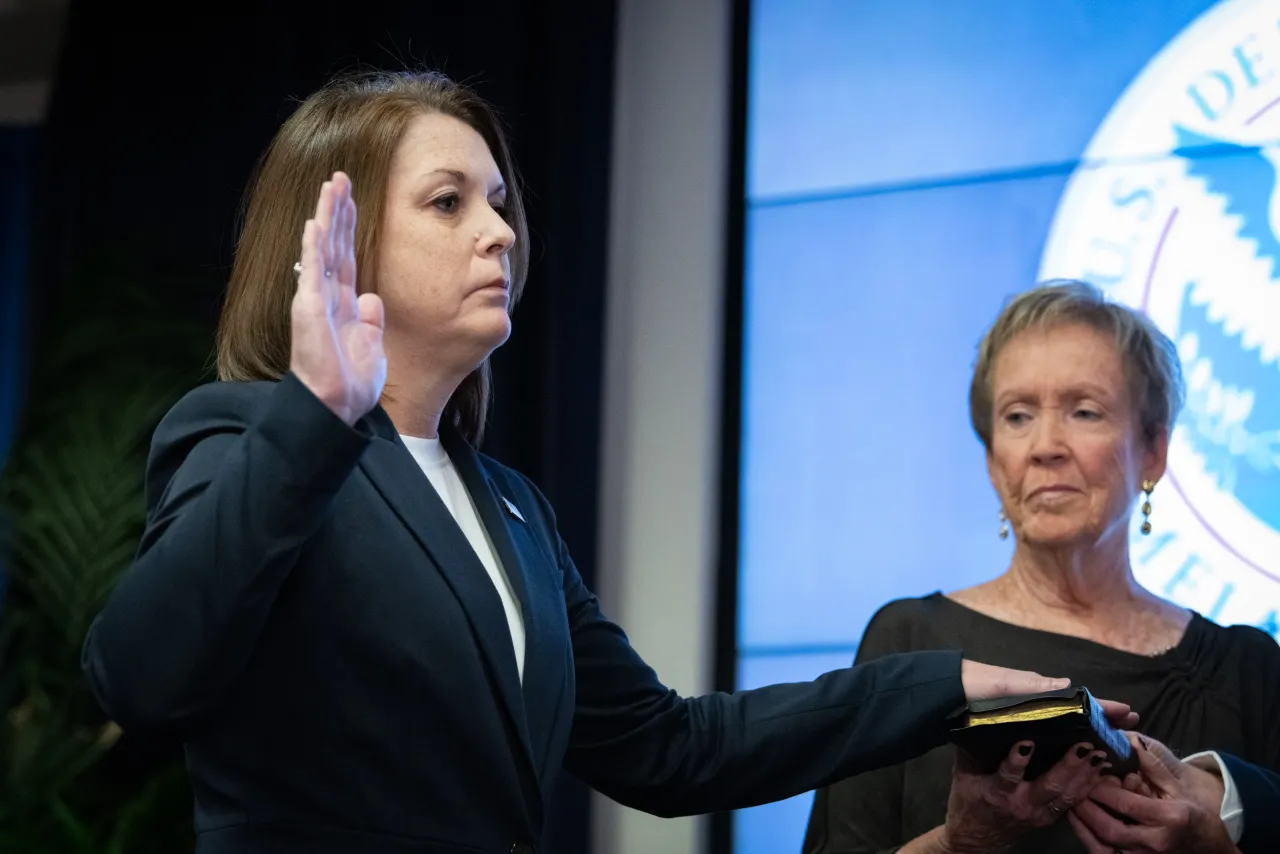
(1218,689)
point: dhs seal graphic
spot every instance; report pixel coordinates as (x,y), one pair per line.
(1175,210)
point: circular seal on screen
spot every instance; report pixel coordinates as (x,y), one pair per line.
(1175,209)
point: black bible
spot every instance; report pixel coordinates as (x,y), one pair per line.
(1055,721)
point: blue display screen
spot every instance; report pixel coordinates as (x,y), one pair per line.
(910,165)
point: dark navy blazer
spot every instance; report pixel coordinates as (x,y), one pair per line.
(1259,790)
(307,615)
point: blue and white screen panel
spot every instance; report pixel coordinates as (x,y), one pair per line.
(911,164)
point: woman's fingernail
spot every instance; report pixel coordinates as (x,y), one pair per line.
(1024,749)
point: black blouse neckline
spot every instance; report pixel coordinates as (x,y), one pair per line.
(1182,650)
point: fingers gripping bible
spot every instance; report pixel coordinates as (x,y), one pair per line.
(1055,721)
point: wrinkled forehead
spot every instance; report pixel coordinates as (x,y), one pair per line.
(1060,357)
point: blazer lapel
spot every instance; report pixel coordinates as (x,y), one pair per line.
(396,475)
(541,600)
(496,513)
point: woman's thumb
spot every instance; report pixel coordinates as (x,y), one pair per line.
(370,310)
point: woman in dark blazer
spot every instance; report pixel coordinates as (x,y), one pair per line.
(371,637)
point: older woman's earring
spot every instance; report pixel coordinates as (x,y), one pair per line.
(1147,487)
(1004,525)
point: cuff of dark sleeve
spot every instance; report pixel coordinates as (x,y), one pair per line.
(940,672)
(927,689)
(1258,799)
(319,449)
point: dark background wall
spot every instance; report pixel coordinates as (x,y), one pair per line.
(30,33)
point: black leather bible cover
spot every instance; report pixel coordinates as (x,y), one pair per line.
(1056,721)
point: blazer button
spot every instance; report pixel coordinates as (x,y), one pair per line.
(523,848)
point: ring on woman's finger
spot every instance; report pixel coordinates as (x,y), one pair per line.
(297,270)
(1056,809)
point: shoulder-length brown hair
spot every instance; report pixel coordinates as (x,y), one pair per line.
(354,125)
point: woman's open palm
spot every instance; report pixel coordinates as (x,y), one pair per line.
(337,336)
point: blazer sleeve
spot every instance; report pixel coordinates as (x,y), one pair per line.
(239,476)
(1254,773)
(863,814)
(644,746)
(1259,790)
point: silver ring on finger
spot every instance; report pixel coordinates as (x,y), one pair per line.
(1057,809)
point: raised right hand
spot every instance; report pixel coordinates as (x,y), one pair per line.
(337,337)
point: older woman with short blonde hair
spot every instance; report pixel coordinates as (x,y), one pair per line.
(1074,398)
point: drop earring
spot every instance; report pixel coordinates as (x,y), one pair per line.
(1004,525)
(1147,487)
